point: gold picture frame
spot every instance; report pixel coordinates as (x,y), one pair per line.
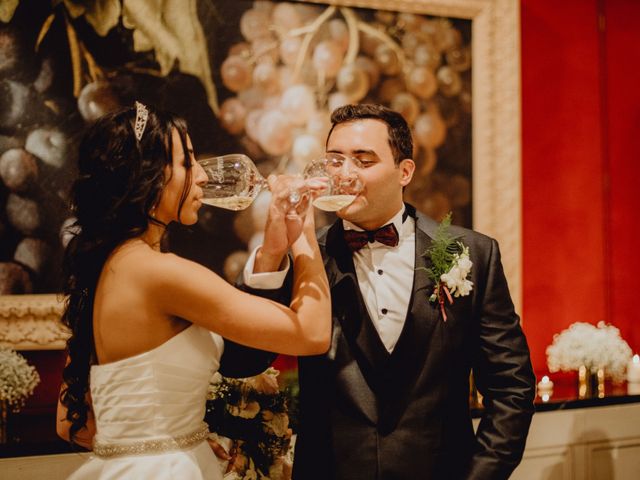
(32,321)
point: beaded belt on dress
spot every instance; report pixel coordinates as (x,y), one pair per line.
(145,447)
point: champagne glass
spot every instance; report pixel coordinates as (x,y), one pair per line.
(343,185)
(233,182)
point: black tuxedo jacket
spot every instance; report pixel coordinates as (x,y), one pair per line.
(368,414)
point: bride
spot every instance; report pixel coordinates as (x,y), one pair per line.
(147,326)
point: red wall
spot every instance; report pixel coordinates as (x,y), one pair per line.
(581,145)
(622,42)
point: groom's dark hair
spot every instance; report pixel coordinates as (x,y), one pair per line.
(398,130)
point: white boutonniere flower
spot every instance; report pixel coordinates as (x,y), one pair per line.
(456,278)
(450,266)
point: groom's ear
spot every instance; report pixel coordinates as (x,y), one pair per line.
(407,168)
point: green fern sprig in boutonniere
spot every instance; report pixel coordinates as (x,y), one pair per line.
(450,266)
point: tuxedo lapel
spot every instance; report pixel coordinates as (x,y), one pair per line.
(338,261)
(420,313)
(419,306)
(352,326)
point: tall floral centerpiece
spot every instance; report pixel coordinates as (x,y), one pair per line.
(18,379)
(594,351)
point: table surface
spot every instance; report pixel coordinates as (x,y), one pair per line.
(564,396)
(33,433)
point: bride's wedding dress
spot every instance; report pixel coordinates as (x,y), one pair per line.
(149,412)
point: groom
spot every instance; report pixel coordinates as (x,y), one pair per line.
(390,399)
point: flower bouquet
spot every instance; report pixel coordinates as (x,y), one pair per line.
(585,345)
(253,413)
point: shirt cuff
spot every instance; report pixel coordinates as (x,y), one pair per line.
(264,280)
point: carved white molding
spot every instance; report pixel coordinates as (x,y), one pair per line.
(31,321)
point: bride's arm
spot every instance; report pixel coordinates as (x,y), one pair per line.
(190,291)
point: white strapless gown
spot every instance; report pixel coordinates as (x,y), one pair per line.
(149,412)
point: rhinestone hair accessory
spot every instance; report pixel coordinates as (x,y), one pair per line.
(142,114)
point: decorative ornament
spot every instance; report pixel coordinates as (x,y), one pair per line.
(142,115)
(450,266)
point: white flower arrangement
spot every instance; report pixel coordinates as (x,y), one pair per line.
(591,346)
(18,379)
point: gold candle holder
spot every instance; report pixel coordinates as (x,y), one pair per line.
(590,382)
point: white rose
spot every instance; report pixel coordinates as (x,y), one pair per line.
(458,273)
(464,264)
(463,288)
(451,278)
(264,383)
(278,422)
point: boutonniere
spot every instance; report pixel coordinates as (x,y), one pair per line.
(450,266)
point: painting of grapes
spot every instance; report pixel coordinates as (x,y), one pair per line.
(254,77)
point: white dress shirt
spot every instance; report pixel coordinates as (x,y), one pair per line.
(385,276)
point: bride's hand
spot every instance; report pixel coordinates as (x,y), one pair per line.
(289,208)
(286,220)
(300,215)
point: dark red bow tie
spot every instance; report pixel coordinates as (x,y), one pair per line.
(387,235)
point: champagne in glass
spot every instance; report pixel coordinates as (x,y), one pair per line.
(233,182)
(344,184)
(333,203)
(230,203)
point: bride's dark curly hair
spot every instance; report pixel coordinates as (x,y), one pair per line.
(120,180)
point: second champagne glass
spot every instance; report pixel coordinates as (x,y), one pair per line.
(233,182)
(344,183)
